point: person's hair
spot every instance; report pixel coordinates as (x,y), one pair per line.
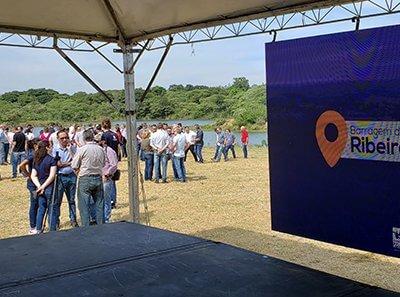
(88,135)
(31,143)
(61,131)
(186,127)
(46,130)
(229,130)
(106,124)
(160,126)
(41,152)
(146,134)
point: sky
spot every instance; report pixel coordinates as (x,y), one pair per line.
(213,63)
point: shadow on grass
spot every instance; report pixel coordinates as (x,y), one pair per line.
(195,178)
(278,245)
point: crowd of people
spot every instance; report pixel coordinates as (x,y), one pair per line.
(83,161)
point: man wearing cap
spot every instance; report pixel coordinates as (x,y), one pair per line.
(89,162)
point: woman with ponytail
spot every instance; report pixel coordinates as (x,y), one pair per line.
(26,166)
(43,174)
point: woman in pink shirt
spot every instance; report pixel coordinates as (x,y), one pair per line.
(45,135)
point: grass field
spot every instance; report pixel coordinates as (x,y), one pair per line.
(225,201)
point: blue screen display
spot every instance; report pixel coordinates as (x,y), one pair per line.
(334,138)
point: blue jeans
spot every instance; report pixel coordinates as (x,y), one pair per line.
(163,160)
(17,158)
(91,186)
(198,148)
(33,210)
(172,157)
(232,148)
(109,195)
(244,146)
(180,168)
(6,150)
(2,153)
(221,150)
(149,165)
(67,185)
(44,204)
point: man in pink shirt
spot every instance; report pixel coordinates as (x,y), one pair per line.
(109,169)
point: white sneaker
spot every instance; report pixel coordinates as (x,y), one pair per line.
(33,231)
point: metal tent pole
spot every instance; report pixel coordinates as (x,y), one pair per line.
(130,114)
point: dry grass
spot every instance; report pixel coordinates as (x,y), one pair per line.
(227,202)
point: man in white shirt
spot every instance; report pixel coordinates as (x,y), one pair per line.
(159,142)
(179,146)
(190,136)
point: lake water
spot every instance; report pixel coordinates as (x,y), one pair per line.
(209,136)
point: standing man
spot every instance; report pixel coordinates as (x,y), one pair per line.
(3,141)
(198,143)
(89,161)
(111,140)
(230,144)
(18,150)
(221,141)
(190,136)
(179,147)
(109,169)
(159,143)
(67,181)
(245,140)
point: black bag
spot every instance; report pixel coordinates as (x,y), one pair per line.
(116,175)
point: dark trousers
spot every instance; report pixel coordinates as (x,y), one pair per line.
(191,149)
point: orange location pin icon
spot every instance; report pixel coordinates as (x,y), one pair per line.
(331,150)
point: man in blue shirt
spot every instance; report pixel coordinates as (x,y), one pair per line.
(67,181)
(221,139)
(230,144)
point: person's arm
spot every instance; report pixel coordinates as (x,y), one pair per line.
(35,179)
(49,180)
(13,147)
(23,168)
(152,145)
(76,162)
(234,140)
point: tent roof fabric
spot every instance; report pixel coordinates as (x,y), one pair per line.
(136,20)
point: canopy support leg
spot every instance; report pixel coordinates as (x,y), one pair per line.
(130,114)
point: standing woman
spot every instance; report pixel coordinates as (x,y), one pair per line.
(28,162)
(45,135)
(43,174)
(148,156)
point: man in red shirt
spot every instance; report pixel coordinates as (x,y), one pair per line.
(245,140)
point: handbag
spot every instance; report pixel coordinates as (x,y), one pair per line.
(116,176)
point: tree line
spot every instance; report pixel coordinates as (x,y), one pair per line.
(232,106)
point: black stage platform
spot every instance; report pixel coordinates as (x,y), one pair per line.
(124,259)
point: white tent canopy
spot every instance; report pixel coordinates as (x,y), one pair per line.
(136,20)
